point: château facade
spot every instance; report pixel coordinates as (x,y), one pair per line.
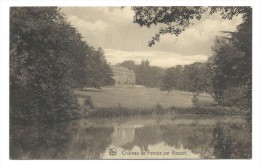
(123,76)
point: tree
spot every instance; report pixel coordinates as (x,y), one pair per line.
(98,71)
(129,64)
(149,76)
(194,78)
(172,79)
(232,60)
(197,78)
(232,75)
(40,57)
(47,59)
(106,73)
(77,72)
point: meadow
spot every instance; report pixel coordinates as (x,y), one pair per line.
(138,97)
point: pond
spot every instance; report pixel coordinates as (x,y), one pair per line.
(166,137)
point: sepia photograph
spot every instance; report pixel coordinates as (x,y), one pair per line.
(130,82)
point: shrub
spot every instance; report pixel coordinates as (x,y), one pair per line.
(158,107)
(88,103)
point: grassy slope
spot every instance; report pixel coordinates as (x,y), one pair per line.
(131,97)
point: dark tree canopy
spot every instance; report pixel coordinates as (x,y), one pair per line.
(39,60)
(98,71)
(196,78)
(47,59)
(129,64)
(174,20)
(232,60)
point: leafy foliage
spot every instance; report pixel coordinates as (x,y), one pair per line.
(232,79)
(175,19)
(47,58)
(172,79)
(149,76)
(195,78)
(232,60)
(38,65)
(88,103)
(99,72)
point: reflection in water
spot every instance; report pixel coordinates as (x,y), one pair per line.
(173,138)
(197,138)
(123,135)
(231,144)
(144,137)
(59,142)
(89,143)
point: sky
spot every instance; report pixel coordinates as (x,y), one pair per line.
(112,29)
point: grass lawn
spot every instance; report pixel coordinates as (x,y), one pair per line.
(133,97)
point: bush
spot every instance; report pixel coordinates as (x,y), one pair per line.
(88,103)
(194,100)
(211,110)
(119,112)
(158,107)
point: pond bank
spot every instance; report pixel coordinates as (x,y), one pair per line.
(120,112)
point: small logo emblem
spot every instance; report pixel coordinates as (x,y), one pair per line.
(112,151)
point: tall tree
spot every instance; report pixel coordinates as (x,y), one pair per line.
(172,79)
(232,75)
(39,60)
(47,58)
(232,60)
(129,64)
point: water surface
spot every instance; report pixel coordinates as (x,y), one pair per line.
(182,137)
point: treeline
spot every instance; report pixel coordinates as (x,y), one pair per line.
(146,75)
(196,78)
(90,70)
(48,58)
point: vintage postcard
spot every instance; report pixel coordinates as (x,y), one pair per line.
(134,82)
